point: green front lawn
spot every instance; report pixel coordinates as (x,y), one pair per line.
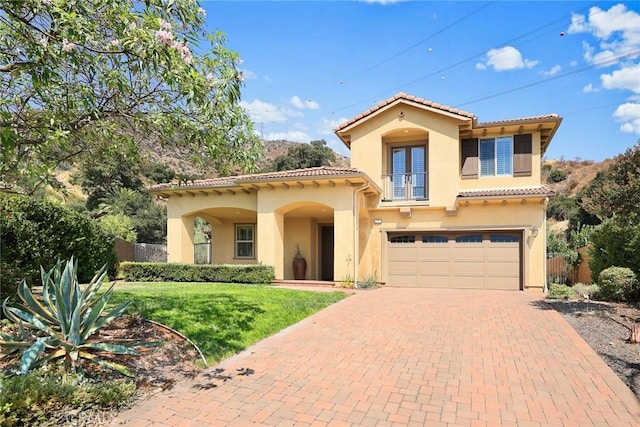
(222,319)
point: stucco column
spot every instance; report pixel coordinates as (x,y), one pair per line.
(344,244)
(270,244)
(180,239)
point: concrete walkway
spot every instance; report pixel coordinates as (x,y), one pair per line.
(408,357)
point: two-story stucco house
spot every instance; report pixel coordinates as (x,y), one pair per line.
(433,198)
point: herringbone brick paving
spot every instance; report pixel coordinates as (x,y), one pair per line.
(408,357)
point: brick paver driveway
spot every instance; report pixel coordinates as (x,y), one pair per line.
(408,357)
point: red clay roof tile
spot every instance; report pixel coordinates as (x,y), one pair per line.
(231,181)
(507,192)
(406,97)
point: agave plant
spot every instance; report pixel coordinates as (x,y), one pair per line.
(61,325)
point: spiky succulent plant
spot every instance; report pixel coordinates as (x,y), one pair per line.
(61,325)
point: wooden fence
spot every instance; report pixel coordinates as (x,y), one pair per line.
(559,270)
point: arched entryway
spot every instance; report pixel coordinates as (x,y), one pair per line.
(309,231)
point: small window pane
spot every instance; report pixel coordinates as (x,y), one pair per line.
(469,238)
(433,238)
(487,157)
(504,158)
(245,250)
(244,241)
(409,238)
(504,238)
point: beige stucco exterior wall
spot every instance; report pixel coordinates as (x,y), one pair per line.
(508,181)
(369,147)
(181,211)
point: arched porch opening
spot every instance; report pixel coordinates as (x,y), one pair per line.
(309,231)
(224,235)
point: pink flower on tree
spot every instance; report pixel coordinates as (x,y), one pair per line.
(165,37)
(67,46)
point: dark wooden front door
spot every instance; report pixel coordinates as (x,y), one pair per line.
(326,252)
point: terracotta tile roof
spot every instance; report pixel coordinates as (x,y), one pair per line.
(507,192)
(231,181)
(532,119)
(405,97)
(200,183)
(318,172)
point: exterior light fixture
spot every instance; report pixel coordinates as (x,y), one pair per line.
(377,221)
(534,231)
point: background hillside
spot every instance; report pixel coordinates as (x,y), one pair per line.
(578,174)
(180,164)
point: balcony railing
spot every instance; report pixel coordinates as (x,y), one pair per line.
(406,186)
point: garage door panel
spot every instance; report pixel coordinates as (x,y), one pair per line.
(503,254)
(431,253)
(467,253)
(466,260)
(433,268)
(403,268)
(469,268)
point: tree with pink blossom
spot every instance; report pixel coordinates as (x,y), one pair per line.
(82,77)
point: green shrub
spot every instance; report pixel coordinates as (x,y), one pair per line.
(559,291)
(618,284)
(614,244)
(556,175)
(175,272)
(36,233)
(586,291)
(44,397)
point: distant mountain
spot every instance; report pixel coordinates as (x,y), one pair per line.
(179,161)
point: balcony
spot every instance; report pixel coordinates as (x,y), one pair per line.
(406,186)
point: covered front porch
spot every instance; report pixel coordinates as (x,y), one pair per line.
(270,218)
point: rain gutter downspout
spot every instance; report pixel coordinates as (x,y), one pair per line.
(356,232)
(544,227)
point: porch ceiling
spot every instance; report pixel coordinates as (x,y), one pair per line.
(227,213)
(319,213)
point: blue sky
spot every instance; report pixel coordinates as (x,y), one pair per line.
(310,65)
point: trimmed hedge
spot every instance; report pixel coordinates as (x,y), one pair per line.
(175,272)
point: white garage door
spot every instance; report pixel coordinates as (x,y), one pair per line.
(477,260)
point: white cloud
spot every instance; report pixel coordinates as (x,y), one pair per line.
(308,104)
(625,78)
(553,71)
(588,88)
(326,126)
(629,115)
(248,74)
(295,136)
(264,112)
(616,30)
(505,58)
(573,63)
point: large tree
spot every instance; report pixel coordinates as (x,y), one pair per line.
(301,156)
(78,76)
(615,192)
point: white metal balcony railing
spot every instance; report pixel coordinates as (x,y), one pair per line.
(406,186)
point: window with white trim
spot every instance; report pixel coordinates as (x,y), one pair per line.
(244,240)
(496,156)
